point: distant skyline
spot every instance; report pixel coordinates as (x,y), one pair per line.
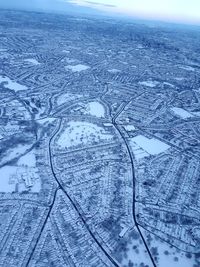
(178,11)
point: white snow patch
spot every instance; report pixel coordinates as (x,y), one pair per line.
(64,98)
(149,83)
(169,84)
(187,68)
(168,260)
(182,113)
(14,152)
(46,120)
(151,146)
(11,84)
(139,153)
(179,78)
(82,133)
(23,177)
(28,160)
(114,71)
(129,128)
(32,61)
(196,113)
(66,51)
(95,109)
(77,68)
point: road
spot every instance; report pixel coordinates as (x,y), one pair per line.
(134,180)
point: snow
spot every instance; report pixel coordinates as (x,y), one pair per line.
(151,146)
(149,83)
(168,260)
(82,133)
(179,78)
(5,185)
(95,109)
(66,51)
(187,68)
(46,120)
(169,84)
(129,128)
(14,153)
(77,68)
(24,176)
(64,98)
(182,113)
(135,253)
(114,71)
(32,61)
(11,84)
(139,153)
(28,160)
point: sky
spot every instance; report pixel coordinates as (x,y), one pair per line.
(181,11)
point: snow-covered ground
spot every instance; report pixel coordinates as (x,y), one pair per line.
(182,113)
(24,176)
(77,68)
(82,133)
(114,70)
(8,83)
(169,256)
(129,128)
(151,146)
(189,68)
(149,83)
(136,254)
(14,152)
(28,160)
(32,61)
(95,109)
(139,153)
(65,98)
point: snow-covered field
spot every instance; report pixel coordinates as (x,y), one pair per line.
(8,83)
(77,68)
(95,109)
(169,256)
(136,255)
(24,176)
(32,61)
(182,113)
(82,133)
(13,153)
(149,83)
(151,146)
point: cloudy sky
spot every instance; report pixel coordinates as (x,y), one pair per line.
(186,11)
